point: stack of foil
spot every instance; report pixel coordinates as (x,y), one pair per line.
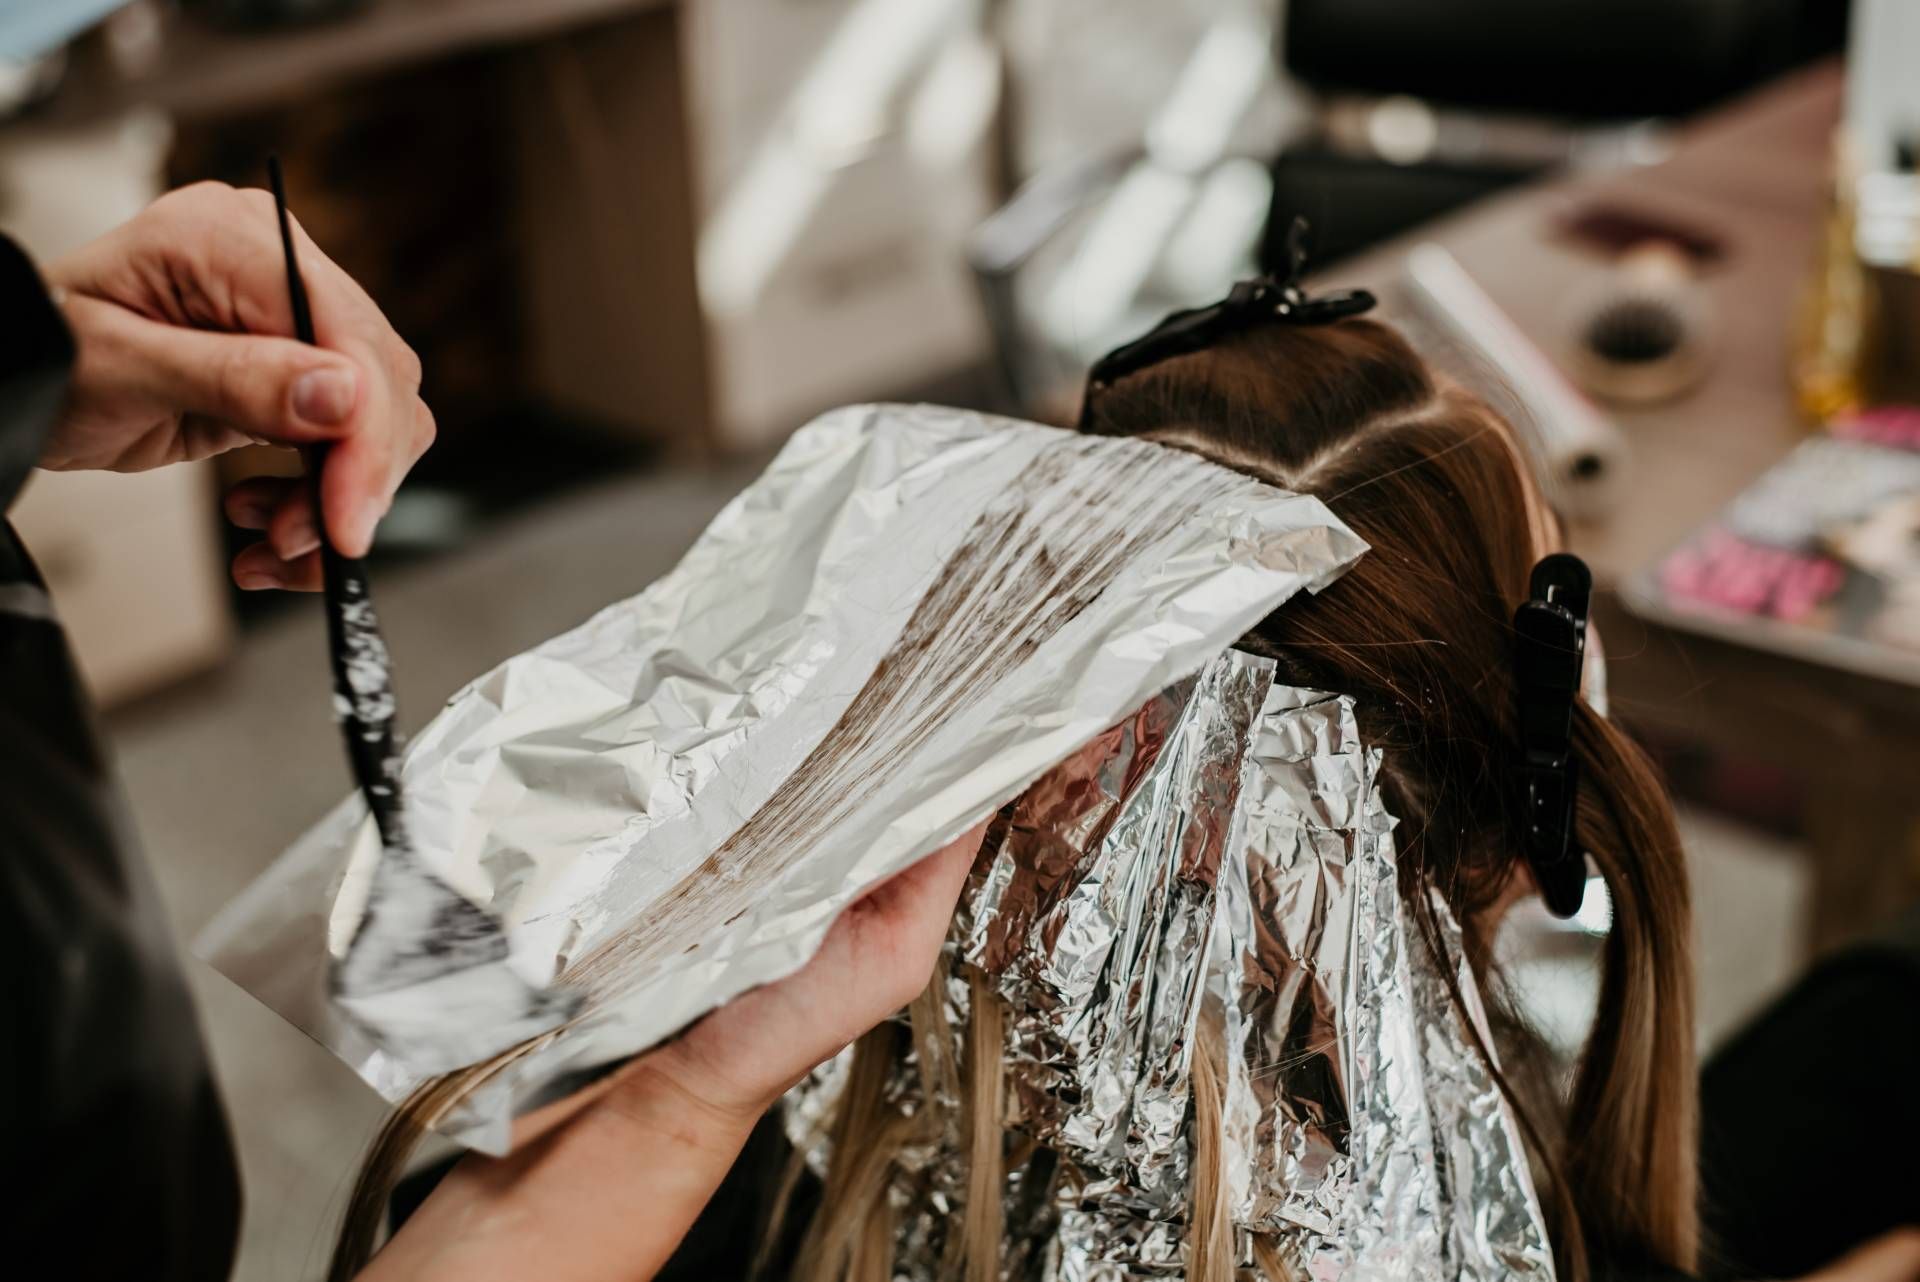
(1218,871)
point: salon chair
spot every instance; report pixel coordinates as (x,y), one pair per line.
(1418,108)
(1428,106)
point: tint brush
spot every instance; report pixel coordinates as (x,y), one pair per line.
(362,673)
(425,959)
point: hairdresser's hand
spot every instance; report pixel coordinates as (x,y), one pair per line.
(184,327)
(877,959)
(602,1186)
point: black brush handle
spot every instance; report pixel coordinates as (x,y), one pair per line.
(362,669)
(362,685)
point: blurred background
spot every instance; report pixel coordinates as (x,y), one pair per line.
(638,242)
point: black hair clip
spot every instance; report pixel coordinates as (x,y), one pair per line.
(1251,303)
(1550,638)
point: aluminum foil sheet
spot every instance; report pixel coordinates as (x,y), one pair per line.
(908,619)
(1217,870)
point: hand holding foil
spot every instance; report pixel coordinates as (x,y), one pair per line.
(876,958)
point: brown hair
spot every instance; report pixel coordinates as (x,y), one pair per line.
(1419,634)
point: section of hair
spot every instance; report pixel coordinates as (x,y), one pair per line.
(1210,1246)
(1419,634)
(868,1134)
(983,1107)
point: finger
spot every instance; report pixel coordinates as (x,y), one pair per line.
(1892,1257)
(392,427)
(224,244)
(943,871)
(253,260)
(272,389)
(251,503)
(361,477)
(258,568)
(245,269)
(224,268)
(363,472)
(942,876)
(919,901)
(291,531)
(344,315)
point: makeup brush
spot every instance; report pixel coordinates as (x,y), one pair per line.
(426,974)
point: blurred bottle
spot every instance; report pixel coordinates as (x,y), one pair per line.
(1859,336)
(1886,239)
(1826,357)
(1858,342)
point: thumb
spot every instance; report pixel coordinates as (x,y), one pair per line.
(276,389)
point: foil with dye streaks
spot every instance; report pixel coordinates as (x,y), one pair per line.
(586,797)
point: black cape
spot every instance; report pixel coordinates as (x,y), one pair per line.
(118,1162)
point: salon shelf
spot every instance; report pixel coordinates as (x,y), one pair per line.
(202,70)
(593,146)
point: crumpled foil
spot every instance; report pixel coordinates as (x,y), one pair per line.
(909,618)
(1217,869)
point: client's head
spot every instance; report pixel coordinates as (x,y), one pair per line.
(1419,633)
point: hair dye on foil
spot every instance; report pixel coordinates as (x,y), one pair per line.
(911,616)
(1217,870)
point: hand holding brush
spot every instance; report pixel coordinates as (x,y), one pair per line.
(186,348)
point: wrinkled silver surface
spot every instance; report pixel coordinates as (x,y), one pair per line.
(671,803)
(1221,859)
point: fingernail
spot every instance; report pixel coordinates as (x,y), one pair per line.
(256,580)
(300,539)
(324,397)
(251,514)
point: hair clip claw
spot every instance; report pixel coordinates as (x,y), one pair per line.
(1550,640)
(1248,305)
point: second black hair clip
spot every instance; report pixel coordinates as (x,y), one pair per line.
(1550,646)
